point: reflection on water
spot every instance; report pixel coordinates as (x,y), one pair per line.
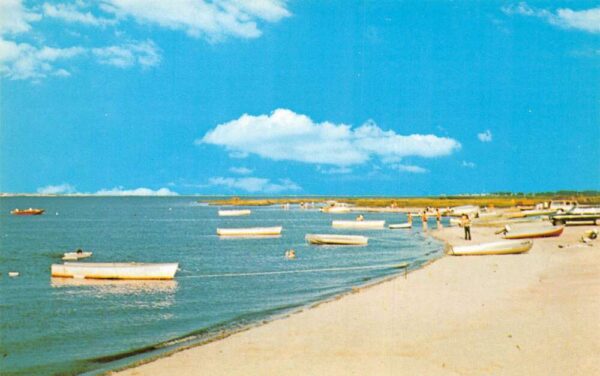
(111,286)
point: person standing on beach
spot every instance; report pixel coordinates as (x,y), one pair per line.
(465,222)
(438,218)
(410,218)
(424,220)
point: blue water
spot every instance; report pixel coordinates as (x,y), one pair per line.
(65,326)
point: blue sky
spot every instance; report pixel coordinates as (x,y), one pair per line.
(293,97)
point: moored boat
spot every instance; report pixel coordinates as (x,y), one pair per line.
(331,239)
(250,231)
(234,213)
(394,226)
(114,270)
(358,224)
(494,248)
(70,256)
(533,232)
(30,211)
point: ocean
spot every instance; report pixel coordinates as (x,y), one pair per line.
(65,326)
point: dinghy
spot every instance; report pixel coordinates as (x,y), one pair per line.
(358,224)
(250,231)
(533,232)
(336,209)
(394,226)
(336,239)
(495,248)
(29,211)
(116,270)
(71,256)
(234,213)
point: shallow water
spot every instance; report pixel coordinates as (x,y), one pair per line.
(52,326)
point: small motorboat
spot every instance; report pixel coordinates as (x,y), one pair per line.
(250,231)
(78,254)
(30,211)
(322,239)
(116,270)
(234,213)
(495,248)
(358,224)
(533,232)
(395,226)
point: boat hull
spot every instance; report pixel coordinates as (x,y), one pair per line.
(234,213)
(325,239)
(70,256)
(250,231)
(526,234)
(27,212)
(396,226)
(495,248)
(358,224)
(143,271)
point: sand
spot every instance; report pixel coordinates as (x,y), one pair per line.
(531,314)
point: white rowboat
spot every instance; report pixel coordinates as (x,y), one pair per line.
(70,256)
(534,232)
(337,239)
(494,248)
(114,270)
(234,213)
(400,225)
(358,224)
(250,231)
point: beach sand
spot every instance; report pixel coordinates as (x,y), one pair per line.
(531,314)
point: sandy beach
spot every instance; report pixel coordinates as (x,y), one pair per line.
(530,314)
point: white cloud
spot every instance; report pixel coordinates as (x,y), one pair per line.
(468,164)
(585,20)
(485,136)
(334,170)
(127,55)
(254,185)
(213,20)
(71,13)
(119,191)
(285,135)
(409,168)
(60,189)
(14,18)
(241,170)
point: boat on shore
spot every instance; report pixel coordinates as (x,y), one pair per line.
(358,224)
(533,232)
(114,270)
(395,226)
(323,239)
(234,213)
(30,211)
(71,256)
(250,231)
(506,247)
(336,209)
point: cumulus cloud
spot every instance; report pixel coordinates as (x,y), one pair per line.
(485,136)
(254,185)
(212,20)
(409,168)
(71,13)
(585,20)
(334,170)
(241,170)
(145,54)
(60,189)
(468,164)
(285,135)
(15,18)
(120,191)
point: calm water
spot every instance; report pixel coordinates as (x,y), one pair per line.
(63,326)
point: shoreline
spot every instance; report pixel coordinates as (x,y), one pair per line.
(534,313)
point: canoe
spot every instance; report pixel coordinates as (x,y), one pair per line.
(336,239)
(400,225)
(29,211)
(234,213)
(495,248)
(116,270)
(534,232)
(70,256)
(250,231)
(358,224)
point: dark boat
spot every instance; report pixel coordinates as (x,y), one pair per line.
(29,211)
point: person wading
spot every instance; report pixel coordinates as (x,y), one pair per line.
(465,222)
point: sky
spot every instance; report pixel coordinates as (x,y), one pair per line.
(273,97)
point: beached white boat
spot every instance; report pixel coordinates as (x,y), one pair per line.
(394,226)
(336,209)
(114,270)
(71,256)
(250,231)
(533,232)
(358,224)
(495,248)
(469,210)
(336,239)
(234,213)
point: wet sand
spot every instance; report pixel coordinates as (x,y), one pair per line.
(530,314)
